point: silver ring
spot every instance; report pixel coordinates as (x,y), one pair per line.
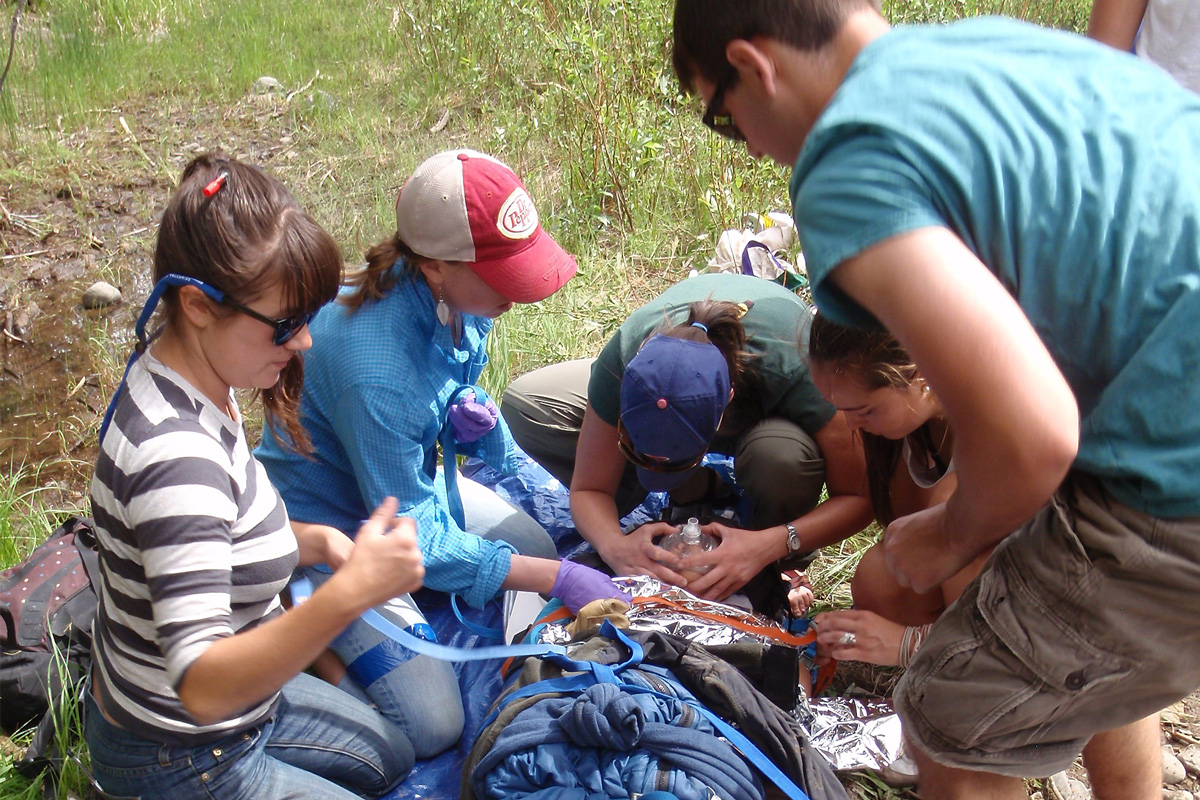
(848,639)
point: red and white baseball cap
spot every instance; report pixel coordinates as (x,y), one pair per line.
(465,206)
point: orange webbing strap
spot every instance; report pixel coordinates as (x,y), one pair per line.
(824,673)
(765,631)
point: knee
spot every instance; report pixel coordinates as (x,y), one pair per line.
(396,757)
(524,533)
(436,730)
(778,457)
(870,587)
(531,539)
(552,398)
(874,588)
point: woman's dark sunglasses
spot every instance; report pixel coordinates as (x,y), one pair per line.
(625,445)
(285,328)
(721,122)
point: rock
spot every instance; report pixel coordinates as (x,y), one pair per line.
(1176,794)
(267,85)
(21,320)
(320,100)
(101,294)
(1173,770)
(1190,756)
(1063,787)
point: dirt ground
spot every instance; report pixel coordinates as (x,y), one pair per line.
(91,215)
(94,217)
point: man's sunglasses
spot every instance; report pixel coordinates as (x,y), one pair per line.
(625,445)
(721,122)
(285,328)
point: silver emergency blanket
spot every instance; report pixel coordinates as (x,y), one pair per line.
(852,733)
(855,733)
(662,617)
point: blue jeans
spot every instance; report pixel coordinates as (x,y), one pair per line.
(320,745)
(418,693)
(492,517)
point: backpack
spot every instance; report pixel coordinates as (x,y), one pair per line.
(47,605)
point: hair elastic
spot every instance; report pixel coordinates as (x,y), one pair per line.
(701,326)
(215,184)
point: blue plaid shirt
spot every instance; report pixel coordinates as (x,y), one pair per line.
(377,384)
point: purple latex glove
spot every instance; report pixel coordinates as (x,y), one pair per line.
(472,420)
(577,585)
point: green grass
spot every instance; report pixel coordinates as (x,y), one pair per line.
(27,516)
(108,99)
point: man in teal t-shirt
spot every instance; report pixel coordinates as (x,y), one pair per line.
(1021,208)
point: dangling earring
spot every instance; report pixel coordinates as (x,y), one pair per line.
(443,310)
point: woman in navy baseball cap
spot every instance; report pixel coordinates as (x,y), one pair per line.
(713,365)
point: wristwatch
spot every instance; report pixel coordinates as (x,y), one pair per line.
(793,540)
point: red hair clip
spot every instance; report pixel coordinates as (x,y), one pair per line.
(215,184)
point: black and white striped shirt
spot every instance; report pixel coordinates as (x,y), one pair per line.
(194,546)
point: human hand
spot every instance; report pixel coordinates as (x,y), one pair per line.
(800,592)
(321,544)
(858,636)
(635,553)
(472,420)
(577,585)
(919,552)
(338,547)
(385,561)
(738,558)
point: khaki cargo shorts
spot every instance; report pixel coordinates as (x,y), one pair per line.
(1085,619)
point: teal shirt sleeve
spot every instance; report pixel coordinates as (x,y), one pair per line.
(861,191)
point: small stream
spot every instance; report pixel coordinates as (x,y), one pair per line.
(56,375)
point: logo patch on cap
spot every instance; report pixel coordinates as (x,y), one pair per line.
(518,218)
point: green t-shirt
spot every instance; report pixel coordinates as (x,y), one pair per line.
(776,329)
(1073,172)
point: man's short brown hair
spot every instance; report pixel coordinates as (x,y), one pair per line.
(704,27)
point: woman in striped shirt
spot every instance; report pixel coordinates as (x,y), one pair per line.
(198,688)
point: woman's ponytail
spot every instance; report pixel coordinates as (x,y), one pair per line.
(376,278)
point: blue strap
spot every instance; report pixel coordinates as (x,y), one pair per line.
(112,404)
(738,739)
(450,462)
(302,589)
(475,628)
(164,283)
